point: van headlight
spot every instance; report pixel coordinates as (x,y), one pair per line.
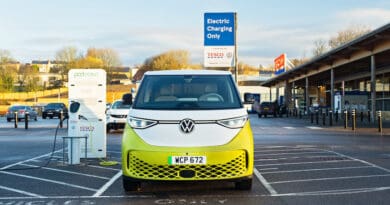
(138,123)
(238,122)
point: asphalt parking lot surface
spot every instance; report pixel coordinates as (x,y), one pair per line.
(295,163)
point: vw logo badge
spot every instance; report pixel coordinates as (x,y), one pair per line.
(187,125)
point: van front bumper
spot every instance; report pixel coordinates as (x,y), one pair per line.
(142,161)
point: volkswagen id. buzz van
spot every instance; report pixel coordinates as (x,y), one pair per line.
(187,125)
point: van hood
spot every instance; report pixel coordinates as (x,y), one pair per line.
(206,132)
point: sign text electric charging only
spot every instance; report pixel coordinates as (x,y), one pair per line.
(219,39)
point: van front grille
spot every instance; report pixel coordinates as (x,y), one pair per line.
(234,168)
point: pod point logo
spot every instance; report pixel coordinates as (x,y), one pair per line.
(187,125)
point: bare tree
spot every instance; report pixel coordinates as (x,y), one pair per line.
(320,47)
(66,56)
(348,35)
(176,59)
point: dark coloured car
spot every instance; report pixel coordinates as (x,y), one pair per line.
(21,111)
(54,110)
(267,108)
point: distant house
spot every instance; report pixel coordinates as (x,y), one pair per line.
(120,75)
(46,65)
(46,78)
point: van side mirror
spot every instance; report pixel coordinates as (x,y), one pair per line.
(127,99)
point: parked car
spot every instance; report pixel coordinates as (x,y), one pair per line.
(267,108)
(54,109)
(116,115)
(21,112)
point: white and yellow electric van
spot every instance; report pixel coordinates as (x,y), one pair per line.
(187,125)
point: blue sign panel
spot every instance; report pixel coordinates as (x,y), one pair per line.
(219,29)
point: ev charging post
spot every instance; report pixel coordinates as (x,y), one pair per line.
(87,102)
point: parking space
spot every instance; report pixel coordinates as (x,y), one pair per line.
(311,170)
(291,160)
(28,179)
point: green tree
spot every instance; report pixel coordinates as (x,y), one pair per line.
(7,71)
(28,77)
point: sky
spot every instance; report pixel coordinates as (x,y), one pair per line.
(140,29)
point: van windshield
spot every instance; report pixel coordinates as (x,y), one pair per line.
(187,92)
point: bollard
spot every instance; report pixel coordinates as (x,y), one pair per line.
(16,120)
(26,115)
(60,117)
(379,114)
(369,116)
(330,117)
(345,119)
(300,114)
(361,116)
(323,118)
(287,112)
(337,116)
(317,117)
(353,119)
(312,117)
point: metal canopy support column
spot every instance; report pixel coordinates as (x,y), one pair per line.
(287,95)
(270,94)
(307,95)
(373,87)
(332,89)
(277,95)
(293,95)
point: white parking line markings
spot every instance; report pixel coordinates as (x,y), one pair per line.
(48,180)
(107,168)
(304,157)
(27,160)
(114,152)
(289,128)
(314,128)
(270,189)
(284,150)
(68,172)
(359,160)
(330,178)
(311,170)
(336,192)
(294,163)
(107,185)
(21,192)
(266,169)
(291,153)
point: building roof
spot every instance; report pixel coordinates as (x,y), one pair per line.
(347,52)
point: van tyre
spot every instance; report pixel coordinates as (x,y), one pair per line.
(8,119)
(130,185)
(245,184)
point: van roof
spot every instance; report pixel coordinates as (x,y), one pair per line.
(188,72)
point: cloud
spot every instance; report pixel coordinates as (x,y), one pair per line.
(366,16)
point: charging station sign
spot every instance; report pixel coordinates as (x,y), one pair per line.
(219,39)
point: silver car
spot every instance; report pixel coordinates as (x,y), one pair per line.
(21,111)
